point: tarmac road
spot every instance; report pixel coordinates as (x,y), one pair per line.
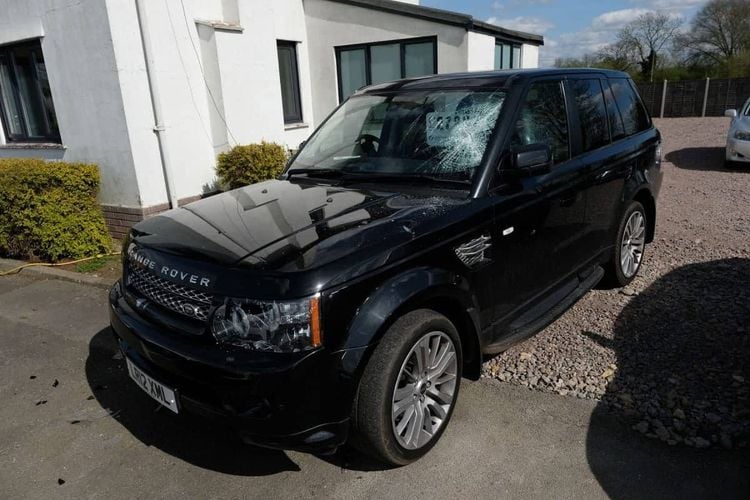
(95,434)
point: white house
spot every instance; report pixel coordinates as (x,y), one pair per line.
(153,90)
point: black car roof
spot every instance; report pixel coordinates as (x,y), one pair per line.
(479,79)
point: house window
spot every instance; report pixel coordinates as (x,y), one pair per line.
(26,108)
(507,55)
(289,76)
(367,64)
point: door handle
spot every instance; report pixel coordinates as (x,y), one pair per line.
(624,170)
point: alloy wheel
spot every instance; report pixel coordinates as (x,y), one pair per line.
(425,390)
(633,243)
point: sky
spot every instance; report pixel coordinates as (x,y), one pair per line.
(571,28)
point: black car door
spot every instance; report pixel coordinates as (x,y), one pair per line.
(538,219)
(603,166)
(611,166)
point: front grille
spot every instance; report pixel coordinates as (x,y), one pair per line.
(186,301)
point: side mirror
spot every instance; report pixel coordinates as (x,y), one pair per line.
(731,113)
(301,145)
(528,161)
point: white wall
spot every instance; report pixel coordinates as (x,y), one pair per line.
(480,52)
(529,56)
(331,24)
(218,87)
(79,56)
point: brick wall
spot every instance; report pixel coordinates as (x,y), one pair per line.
(121,219)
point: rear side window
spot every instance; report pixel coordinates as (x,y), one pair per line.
(616,127)
(543,120)
(592,114)
(634,116)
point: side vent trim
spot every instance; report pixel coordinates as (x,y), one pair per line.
(471,253)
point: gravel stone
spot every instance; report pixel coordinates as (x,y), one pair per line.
(673,345)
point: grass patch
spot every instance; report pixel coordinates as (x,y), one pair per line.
(90,266)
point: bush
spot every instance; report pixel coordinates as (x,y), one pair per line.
(49,211)
(243,165)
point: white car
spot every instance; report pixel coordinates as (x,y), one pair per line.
(738,139)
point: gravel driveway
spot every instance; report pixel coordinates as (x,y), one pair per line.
(670,352)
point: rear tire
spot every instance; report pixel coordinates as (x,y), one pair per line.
(630,246)
(408,389)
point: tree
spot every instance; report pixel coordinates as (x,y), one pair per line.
(617,56)
(585,61)
(647,36)
(719,35)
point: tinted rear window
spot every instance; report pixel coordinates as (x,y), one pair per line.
(592,114)
(616,127)
(634,116)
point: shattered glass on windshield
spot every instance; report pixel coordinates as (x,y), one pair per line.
(464,132)
(440,134)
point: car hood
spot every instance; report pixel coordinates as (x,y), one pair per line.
(296,225)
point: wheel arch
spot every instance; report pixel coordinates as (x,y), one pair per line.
(443,291)
(645,198)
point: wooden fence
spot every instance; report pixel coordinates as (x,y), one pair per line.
(709,97)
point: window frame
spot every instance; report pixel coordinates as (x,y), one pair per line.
(499,42)
(7,51)
(638,102)
(611,104)
(577,144)
(607,127)
(573,133)
(297,94)
(402,43)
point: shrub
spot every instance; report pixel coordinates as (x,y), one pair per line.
(48,210)
(243,165)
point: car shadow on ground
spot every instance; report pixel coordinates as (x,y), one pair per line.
(681,392)
(196,441)
(704,158)
(192,439)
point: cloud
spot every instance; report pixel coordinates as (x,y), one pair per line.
(617,18)
(535,25)
(603,28)
(677,5)
(600,32)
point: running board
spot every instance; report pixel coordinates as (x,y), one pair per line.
(532,322)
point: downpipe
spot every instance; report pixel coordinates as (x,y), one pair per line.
(153,86)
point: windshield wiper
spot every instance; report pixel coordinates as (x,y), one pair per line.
(319,172)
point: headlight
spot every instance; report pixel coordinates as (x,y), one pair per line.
(271,326)
(742,135)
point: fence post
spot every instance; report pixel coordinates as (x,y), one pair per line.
(663,98)
(705,97)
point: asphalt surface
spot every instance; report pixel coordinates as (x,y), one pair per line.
(73,425)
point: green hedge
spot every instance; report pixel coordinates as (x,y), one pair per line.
(243,165)
(49,211)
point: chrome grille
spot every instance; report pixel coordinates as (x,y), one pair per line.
(182,300)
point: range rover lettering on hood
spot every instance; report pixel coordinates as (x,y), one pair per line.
(154,264)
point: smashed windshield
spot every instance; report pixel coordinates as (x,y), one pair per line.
(442,134)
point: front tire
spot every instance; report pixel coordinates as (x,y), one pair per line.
(630,247)
(408,389)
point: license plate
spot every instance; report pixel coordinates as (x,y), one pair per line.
(156,390)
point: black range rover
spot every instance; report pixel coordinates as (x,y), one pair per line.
(426,224)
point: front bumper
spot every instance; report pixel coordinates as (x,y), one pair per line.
(738,151)
(298,401)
